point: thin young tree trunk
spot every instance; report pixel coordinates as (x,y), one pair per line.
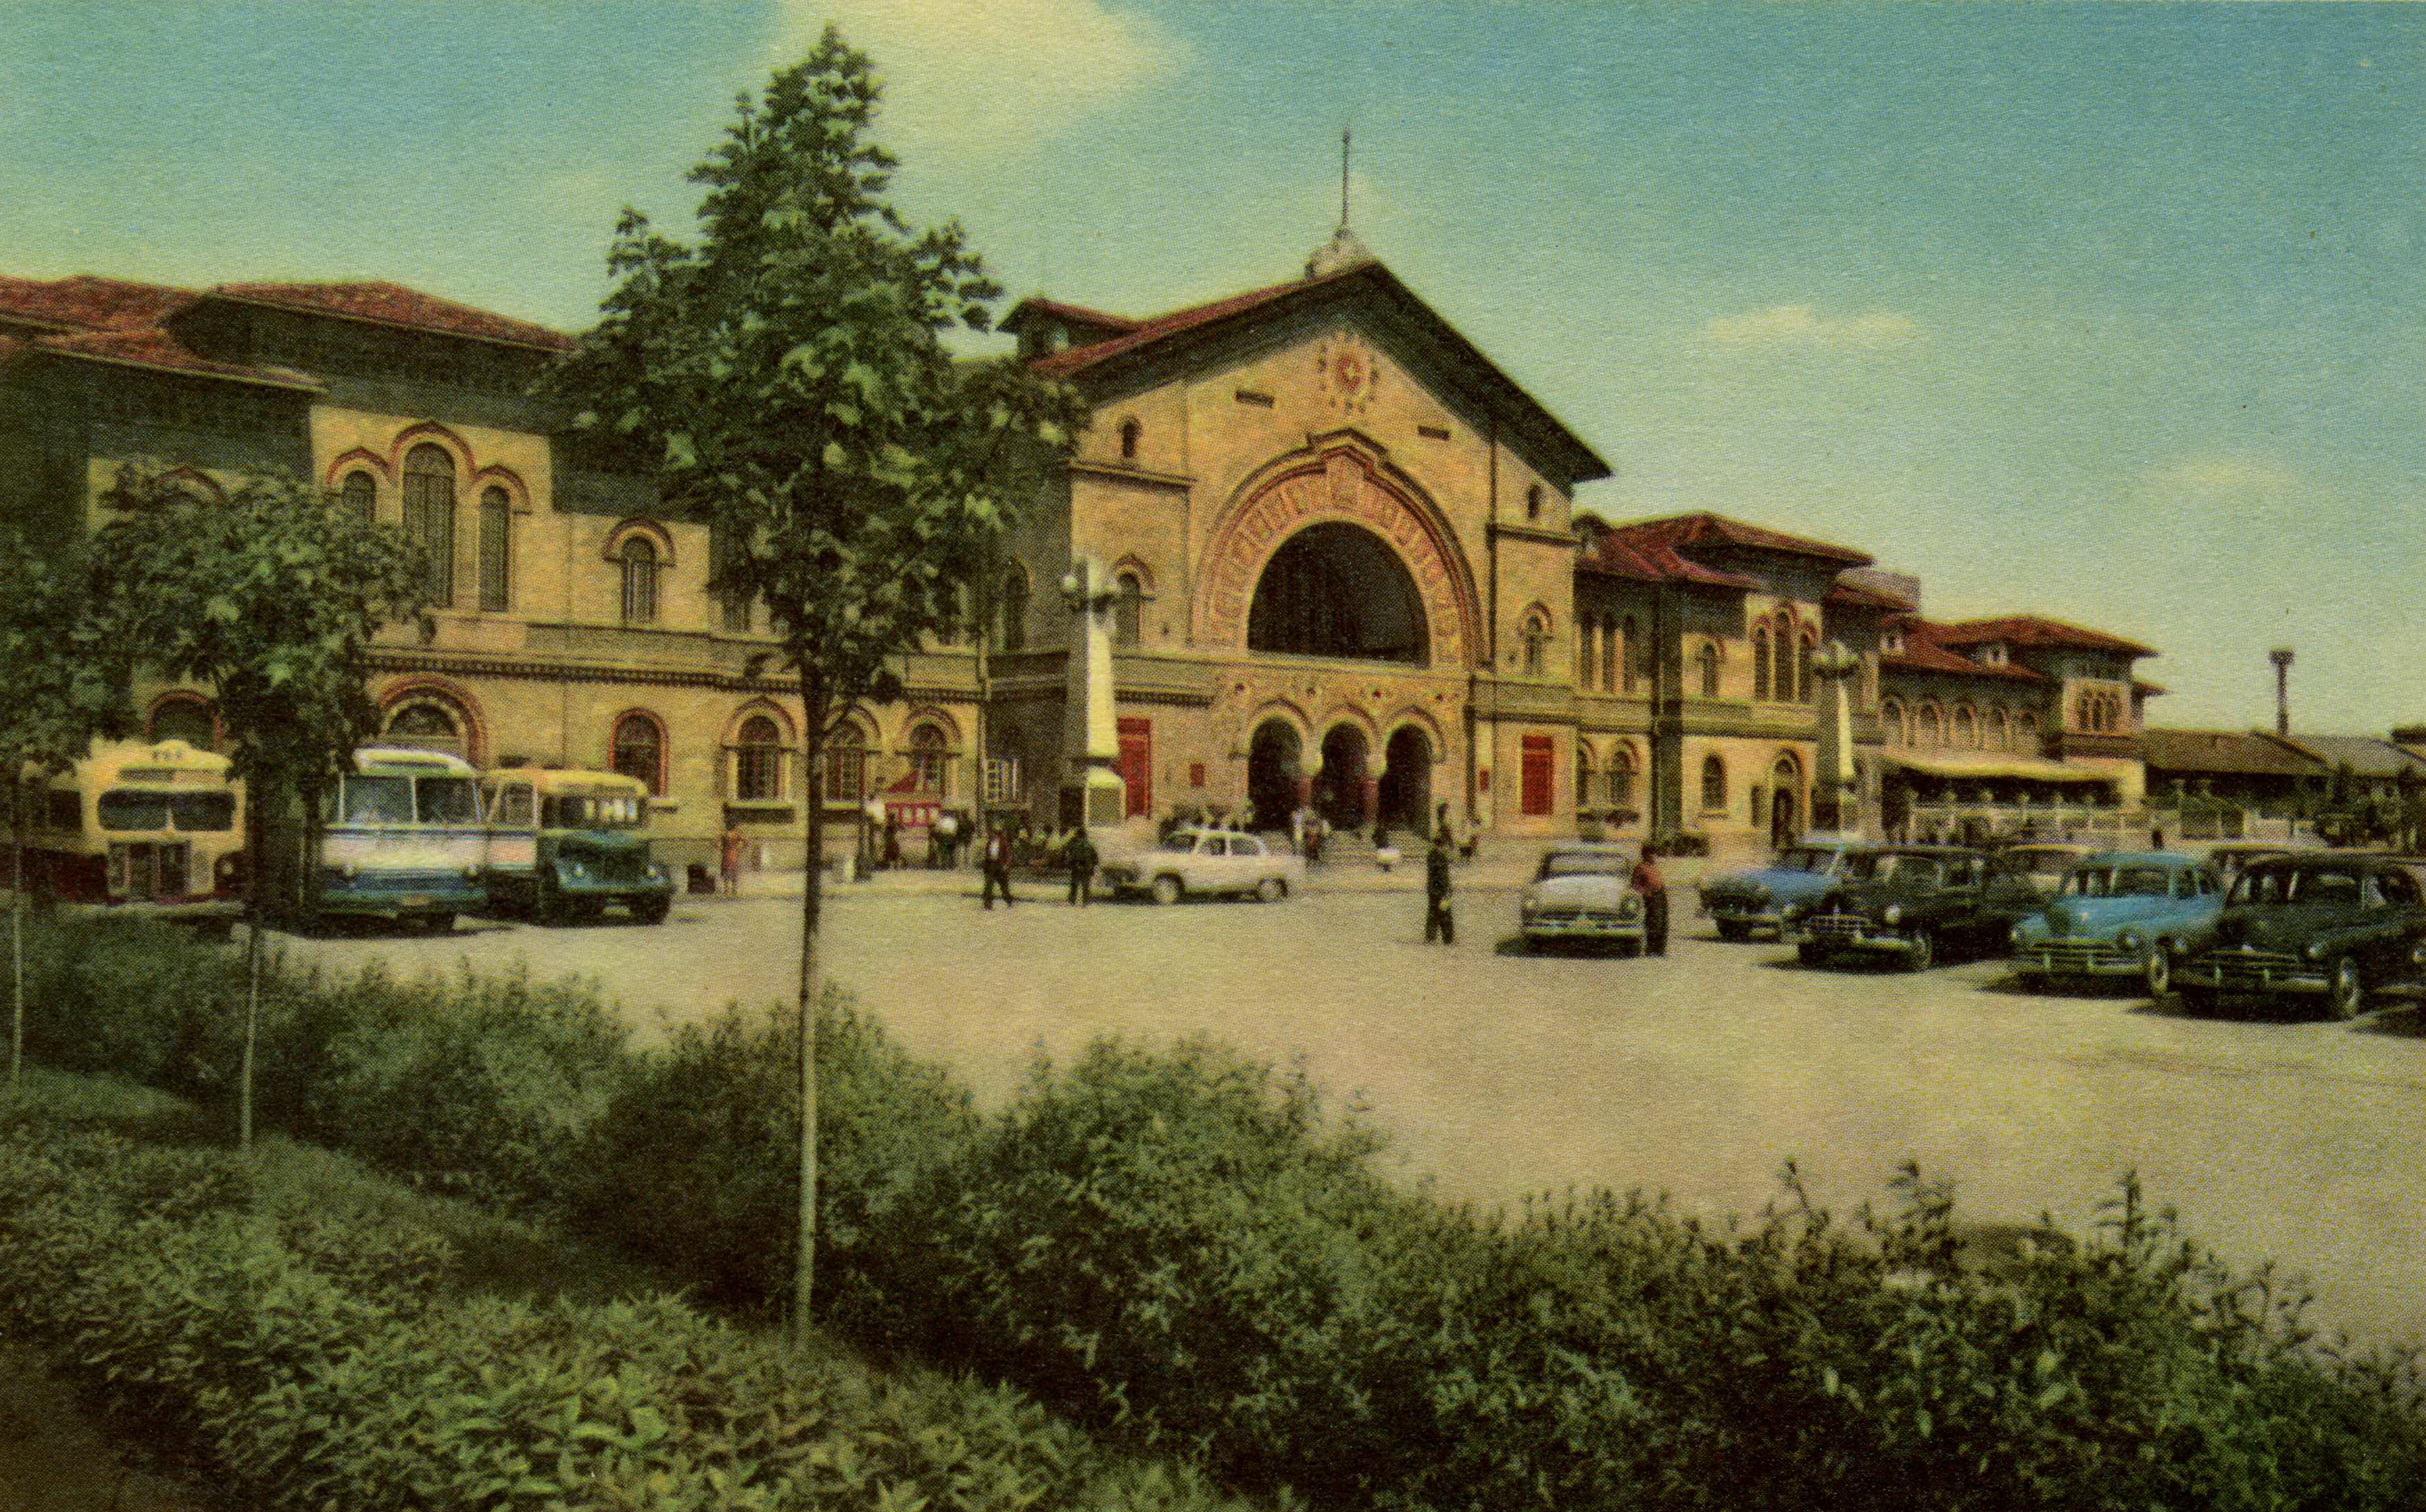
(812,726)
(16,945)
(254,887)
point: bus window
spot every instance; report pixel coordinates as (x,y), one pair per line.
(447,799)
(121,808)
(378,800)
(202,812)
(511,806)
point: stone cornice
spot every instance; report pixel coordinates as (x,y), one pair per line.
(1129,472)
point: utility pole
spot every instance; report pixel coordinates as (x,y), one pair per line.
(2281,657)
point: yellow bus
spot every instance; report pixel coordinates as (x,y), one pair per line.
(564,846)
(151,827)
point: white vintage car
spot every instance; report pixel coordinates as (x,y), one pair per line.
(1580,892)
(1204,863)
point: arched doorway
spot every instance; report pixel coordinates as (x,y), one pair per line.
(1273,764)
(1785,802)
(1340,791)
(1337,589)
(1407,780)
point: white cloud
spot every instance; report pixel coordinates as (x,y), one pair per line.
(1801,325)
(2225,476)
(990,78)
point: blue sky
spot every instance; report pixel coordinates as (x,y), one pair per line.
(2114,313)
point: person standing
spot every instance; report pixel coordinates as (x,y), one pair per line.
(1653,890)
(871,825)
(1439,923)
(729,859)
(996,862)
(892,839)
(1081,856)
(944,838)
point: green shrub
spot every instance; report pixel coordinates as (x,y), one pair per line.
(133,998)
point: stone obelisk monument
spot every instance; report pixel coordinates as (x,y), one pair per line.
(1092,789)
(1837,788)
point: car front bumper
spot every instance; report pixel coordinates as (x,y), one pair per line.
(1582,927)
(2079,957)
(2252,973)
(1833,933)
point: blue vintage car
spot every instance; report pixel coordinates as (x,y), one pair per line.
(1773,897)
(2121,914)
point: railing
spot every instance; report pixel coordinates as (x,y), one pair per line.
(2104,824)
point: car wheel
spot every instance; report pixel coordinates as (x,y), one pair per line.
(2346,994)
(2195,999)
(1270,890)
(440,923)
(548,904)
(1923,953)
(2158,974)
(1166,890)
(1730,929)
(653,911)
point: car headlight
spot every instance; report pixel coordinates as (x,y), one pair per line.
(2315,951)
(2018,935)
(349,871)
(1793,911)
(2130,940)
(1892,915)
(1628,906)
(472,870)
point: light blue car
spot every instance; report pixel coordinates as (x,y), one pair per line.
(1773,897)
(2120,914)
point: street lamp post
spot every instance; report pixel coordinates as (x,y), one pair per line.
(2281,657)
(1837,792)
(1092,789)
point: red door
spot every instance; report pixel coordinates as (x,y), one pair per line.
(1137,765)
(1538,781)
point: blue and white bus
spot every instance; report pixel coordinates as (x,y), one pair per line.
(402,838)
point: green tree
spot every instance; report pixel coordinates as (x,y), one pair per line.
(268,599)
(784,377)
(66,680)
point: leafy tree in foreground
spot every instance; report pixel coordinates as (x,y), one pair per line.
(66,682)
(784,379)
(270,600)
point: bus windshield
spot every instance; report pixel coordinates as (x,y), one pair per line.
(447,799)
(377,800)
(126,809)
(591,812)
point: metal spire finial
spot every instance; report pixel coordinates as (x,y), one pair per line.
(1342,250)
(1344,139)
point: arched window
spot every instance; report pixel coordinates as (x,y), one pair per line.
(1710,660)
(2025,733)
(1128,608)
(431,722)
(1630,653)
(1714,785)
(1891,725)
(1760,663)
(1806,688)
(2001,732)
(1966,726)
(758,761)
(1011,612)
(846,764)
(1621,778)
(430,519)
(358,496)
(638,749)
(1534,501)
(1587,775)
(638,558)
(185,717)
(496,551)
(1130,431)
(1586,648)
(1536,635)
(1932,729)
(1610,652)
(929,761)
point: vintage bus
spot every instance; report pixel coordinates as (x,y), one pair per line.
(566,846)
(144,826)
(400,838)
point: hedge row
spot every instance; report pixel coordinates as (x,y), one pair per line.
(326,1360)
(1181,1248)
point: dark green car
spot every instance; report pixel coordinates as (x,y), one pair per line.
(1914,906)
(2323,930)
(564,846)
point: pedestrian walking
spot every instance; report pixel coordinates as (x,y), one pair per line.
(946,838)
(871,825)
(1649,887)
(728,859)
(1439,923)
(1081,856)
(996,863)
(892,839)
(1314,829)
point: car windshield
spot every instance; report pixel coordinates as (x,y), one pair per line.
(1807,858)
(1183,842)
(1583,863)
(447,799)
(2291,884)
(1902,868)
(2120,882)
(593,812)
(377,800)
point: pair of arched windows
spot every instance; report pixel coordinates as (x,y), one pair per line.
(429,505)
(1781,660)
(1598,786)
(1601,652)
(2098,713)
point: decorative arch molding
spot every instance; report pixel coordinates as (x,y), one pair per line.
(431,431)
(360,457)
(782,717)
(657,779)
(655,534)
(1344,477)
(1425,725)
(1348,713)
(1135,566)
(210,488)
(497,475)
(928,714)
(444,690)
(854,717)
(1289,711)
(189,696)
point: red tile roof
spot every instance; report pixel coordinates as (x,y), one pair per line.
(1707,529)
(393,304)
(85,302)
(1142,332)
(2234,752)
(1853,596)
(1618,553)
(2034,630)
(159,349)
(1924,651)
(1076,315)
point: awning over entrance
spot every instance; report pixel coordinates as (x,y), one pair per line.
(1989,766)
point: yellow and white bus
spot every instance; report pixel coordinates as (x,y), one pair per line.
(145,827)
(400,838)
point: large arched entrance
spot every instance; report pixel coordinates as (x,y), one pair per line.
(1338,589)
(1785,802)
(1274,756)
(1407,780)
(1341,789)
